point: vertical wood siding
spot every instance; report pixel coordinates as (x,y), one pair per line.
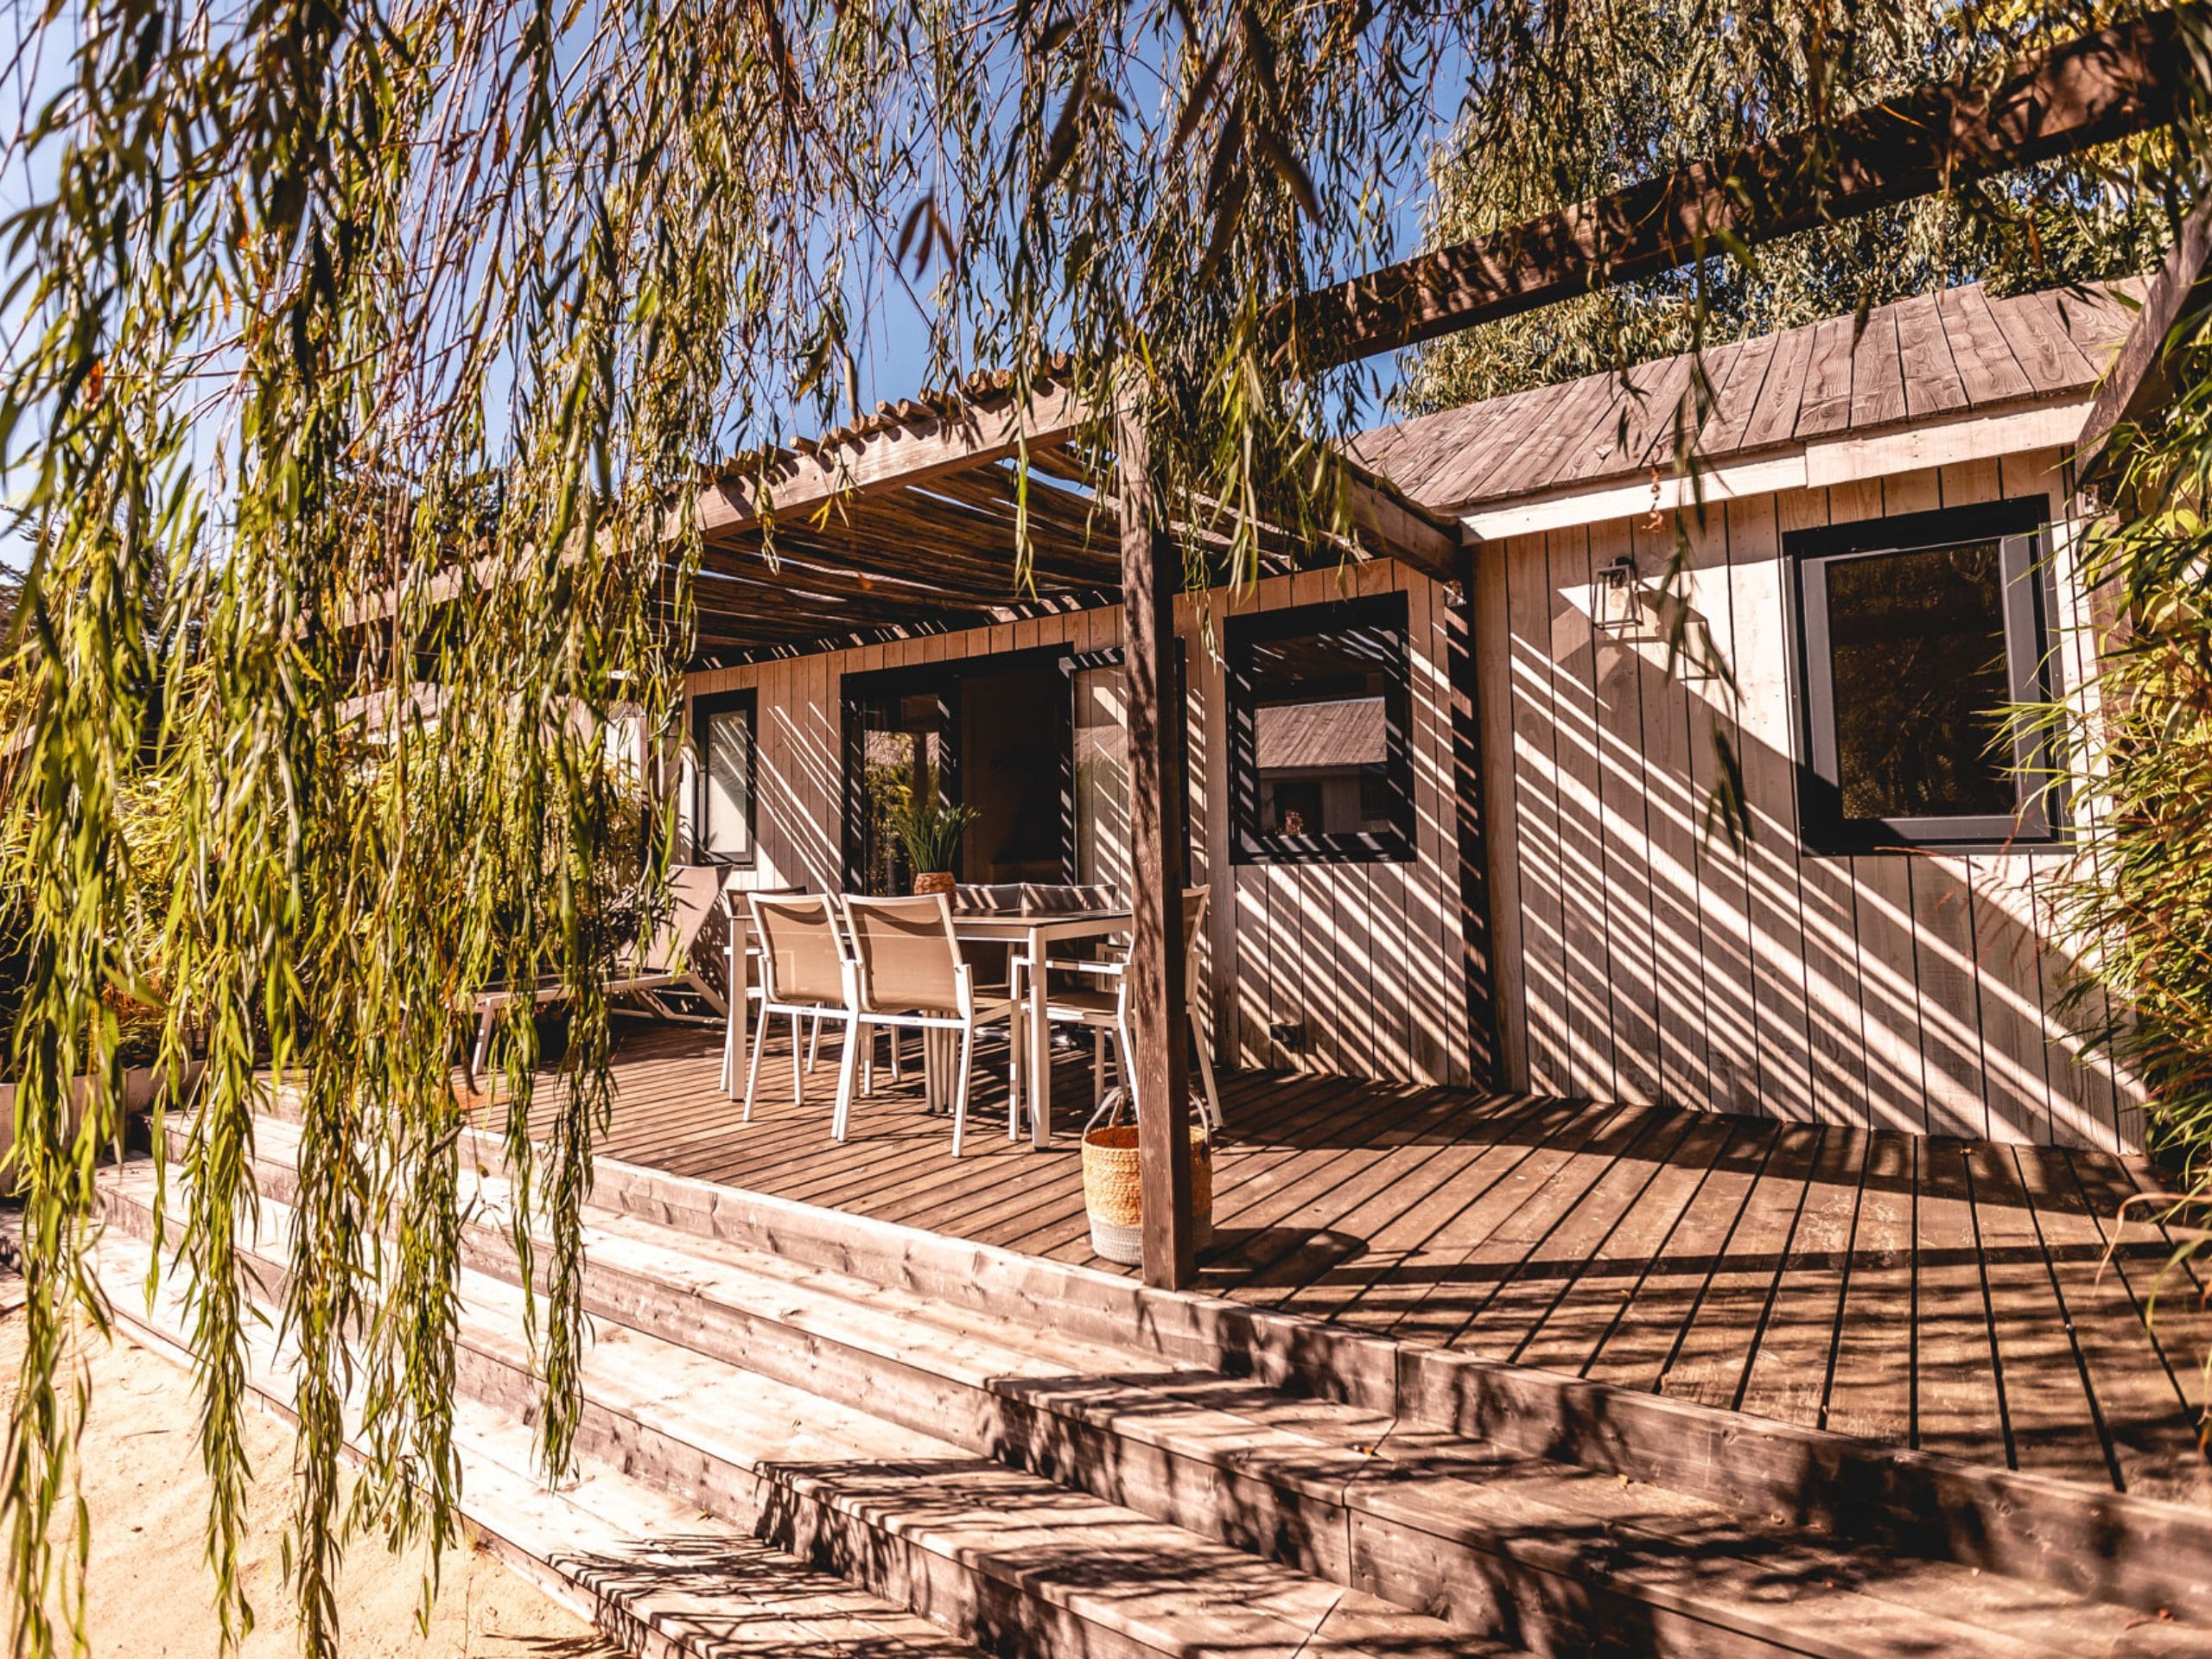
(1639,958)
(1368,958)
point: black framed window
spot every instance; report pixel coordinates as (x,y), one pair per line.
(723,815)
(1913,635)
(1320,767)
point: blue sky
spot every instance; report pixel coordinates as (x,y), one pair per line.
(893,347)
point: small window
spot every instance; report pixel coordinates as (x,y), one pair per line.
(723,809)
(1319,765)
(1915,635)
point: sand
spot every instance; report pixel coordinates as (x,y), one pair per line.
(151,1593)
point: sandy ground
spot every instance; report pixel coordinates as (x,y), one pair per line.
(149,1589)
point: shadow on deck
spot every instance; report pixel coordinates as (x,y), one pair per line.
(1963,1297)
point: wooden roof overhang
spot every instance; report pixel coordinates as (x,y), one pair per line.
(908,522)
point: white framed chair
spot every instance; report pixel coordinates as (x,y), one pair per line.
(1105,1008)
(906,975)
(745,972)
(805,973)
(667,960)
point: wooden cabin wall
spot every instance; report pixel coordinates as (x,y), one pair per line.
(1367,957)
(1641,959)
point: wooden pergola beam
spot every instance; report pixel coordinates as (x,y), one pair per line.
(897,457)
(1403,530)
(2101,87)
(2138,384)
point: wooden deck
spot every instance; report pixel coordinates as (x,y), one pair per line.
(1962,1296)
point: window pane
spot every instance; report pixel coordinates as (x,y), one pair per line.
(1917,652)
(728,830)
(1102,776)
(1321,731)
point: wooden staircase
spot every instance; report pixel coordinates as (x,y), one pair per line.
(1042,1459)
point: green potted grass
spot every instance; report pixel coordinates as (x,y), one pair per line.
(929,832)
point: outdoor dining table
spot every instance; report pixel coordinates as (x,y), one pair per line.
(1029,932)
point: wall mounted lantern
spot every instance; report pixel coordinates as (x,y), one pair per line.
(1616,600)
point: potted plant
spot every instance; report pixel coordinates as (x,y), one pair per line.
(929,832)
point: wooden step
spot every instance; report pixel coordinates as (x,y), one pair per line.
(1548,1555)
(1497,1542)
(2152,1557)
(652,1574)
(1004,1558)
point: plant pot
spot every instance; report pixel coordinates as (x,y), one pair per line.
(140,1084)
(1112,1188)
(934,881)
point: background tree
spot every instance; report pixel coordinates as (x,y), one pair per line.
(1677,91)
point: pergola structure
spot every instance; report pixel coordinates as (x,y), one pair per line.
(907,519)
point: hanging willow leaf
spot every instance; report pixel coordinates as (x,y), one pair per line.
(416,323)
(1287,167)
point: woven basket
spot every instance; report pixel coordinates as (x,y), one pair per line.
(1112,1188)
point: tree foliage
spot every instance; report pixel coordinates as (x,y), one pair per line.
(370,345)
(1679,93)
(2137,738)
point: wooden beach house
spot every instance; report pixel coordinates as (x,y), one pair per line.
(1451,800)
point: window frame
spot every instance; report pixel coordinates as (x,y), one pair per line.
(2021,527)
(1386,613)
(704,708)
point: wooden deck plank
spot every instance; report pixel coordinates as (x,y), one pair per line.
(1724,1258)
(1571,1331)
(1635,1352)
(1256,1195)
(1435,1236)
(2055,1427)
(1399,1246)
(2142,1408)
(1789,1370)
(1360,1206)
(1524,1252)
(1871,1390)
(1460,1266)
(1557,1262)
(1957,1404)
(1715,1354)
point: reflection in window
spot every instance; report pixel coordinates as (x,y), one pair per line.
(1323,765)
(1919,632)
(900,756)
(1318,724)
(1917,648)
(724,734)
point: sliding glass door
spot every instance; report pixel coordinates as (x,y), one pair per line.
(1035,743)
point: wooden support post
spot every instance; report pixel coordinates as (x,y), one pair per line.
(1159,830)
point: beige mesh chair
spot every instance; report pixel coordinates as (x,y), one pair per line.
(804,973)
(741,968)
(675,959)
(907,975)
(1105,1007)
